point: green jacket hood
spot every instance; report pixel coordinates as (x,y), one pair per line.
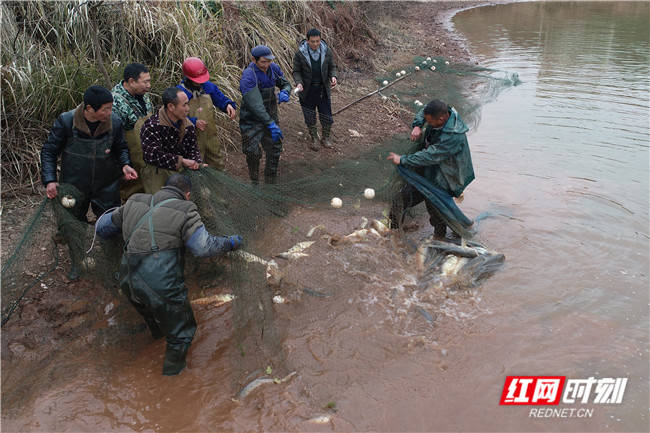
(454,124)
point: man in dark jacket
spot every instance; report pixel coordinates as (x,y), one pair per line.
(258,116)
(204,96)
(156,230)
(314,72)
(443,159)
(168,141)
(94,153)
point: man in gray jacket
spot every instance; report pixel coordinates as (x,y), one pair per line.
(314,72)
(156,230)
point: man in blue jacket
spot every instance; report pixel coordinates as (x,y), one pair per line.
(204,96)
(258,117)
(443,158)
(157,229)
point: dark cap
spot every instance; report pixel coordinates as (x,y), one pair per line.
(262,51)
(96,96)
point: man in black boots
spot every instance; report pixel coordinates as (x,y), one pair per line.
(258,117)
(314,72)
(157,229)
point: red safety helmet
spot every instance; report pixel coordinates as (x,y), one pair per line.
(195,70)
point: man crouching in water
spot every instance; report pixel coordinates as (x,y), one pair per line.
(156,229)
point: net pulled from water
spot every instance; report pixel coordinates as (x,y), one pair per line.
(463,86)
(229,205)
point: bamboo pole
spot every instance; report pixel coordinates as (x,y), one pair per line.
(371,93)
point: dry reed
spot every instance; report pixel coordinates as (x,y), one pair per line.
(52,51)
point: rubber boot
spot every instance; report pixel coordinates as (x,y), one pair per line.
(325,141)
(73,273)
(313,132)
(174,360)
(271,170)
(439,231)
(253,169)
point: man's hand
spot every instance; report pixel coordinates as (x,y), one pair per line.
(129,172)
(394,158)
(50,189)
(201,124)
(415,134)
(231,112)
(190,163)
(333,83)
(299,87)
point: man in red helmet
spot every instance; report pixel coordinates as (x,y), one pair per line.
(204,96)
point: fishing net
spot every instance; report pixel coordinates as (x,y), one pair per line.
(463,86)
(230,205)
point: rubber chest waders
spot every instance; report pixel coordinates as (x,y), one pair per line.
(130,187)
(257,135)
(155,286)
(212,150)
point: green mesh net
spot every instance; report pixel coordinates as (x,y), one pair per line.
(230,205)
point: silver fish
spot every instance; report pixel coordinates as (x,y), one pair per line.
(316,293)
(261,381)
(311,231)
(296,251)
(449,263)
(214,299)
(321,419)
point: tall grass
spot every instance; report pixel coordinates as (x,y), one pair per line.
(52,51)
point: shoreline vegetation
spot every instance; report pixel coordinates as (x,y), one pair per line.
(52,51)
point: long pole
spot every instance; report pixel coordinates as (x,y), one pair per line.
(370,94)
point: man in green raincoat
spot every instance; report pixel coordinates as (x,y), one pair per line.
(443,158)
(258,118)
(156,230)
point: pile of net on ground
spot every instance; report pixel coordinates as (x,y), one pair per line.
(230,205)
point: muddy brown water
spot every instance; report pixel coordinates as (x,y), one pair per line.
(562,167)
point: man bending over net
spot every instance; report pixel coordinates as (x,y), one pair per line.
(443,159)
(156,229)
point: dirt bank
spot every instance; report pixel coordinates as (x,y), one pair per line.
(55,314)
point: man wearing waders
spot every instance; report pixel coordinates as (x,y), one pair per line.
(443,158)
(204,96)
(314,72)
(94,154)
(168,141)
(132,104)
(258,116)
(156,230)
